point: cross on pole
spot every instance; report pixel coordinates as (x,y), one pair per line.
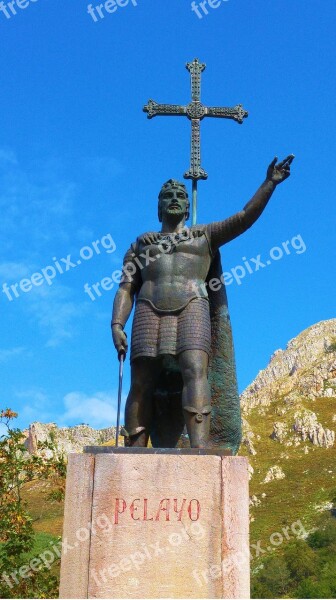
(195,111)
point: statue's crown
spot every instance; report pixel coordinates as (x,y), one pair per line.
(173,184)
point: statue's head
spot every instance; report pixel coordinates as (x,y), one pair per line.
(174,200)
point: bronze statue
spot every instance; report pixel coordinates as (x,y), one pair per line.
(182,360)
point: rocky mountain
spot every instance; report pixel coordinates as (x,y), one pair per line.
(65,439)
(289,422)
(306,368)
(294,383)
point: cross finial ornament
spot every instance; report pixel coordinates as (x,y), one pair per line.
(195,111)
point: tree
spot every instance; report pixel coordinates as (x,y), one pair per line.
(300,559)
(325,535)
(273,579)
(17,468)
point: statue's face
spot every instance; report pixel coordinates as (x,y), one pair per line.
(174,202)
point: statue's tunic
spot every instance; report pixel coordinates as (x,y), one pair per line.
(168,278)
(155,334)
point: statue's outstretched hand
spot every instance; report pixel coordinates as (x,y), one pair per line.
(277,173)
(119,339)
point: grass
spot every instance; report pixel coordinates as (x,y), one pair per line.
(47,515)
(42,541)
(310,478)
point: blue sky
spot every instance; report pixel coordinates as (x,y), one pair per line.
(80,163)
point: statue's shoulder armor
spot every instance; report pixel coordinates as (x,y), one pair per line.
(195,231)
(131,252)
(198,231)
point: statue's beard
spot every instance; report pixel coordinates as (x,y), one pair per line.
(175,212)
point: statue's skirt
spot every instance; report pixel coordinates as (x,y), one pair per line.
(155,334)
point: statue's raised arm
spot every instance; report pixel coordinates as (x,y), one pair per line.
(222,232)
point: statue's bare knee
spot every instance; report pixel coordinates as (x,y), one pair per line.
(196,398)
(194,370)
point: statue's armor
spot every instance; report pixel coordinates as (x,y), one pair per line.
(172,271)
(175,278)
(171,295)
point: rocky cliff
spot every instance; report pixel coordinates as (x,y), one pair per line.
(307,367)
(289,422)
(65,439)
(298,381)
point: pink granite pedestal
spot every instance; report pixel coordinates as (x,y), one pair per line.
(166,524)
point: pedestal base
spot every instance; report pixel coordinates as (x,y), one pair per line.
(156,525)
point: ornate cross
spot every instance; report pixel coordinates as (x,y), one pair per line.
(195,111)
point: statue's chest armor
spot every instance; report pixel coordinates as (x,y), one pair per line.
(173,273)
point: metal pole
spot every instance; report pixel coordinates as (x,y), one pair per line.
(121,369)
(194,202)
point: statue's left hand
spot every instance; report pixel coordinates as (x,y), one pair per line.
(277,173)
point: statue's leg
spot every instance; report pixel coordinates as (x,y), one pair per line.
(139,404)
(196,396)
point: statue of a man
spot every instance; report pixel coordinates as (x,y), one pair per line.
(166,273)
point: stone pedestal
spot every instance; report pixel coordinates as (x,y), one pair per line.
(156,524)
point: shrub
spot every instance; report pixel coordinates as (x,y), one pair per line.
(17,467)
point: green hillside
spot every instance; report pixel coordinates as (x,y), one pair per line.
(290,418)
(310,479)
